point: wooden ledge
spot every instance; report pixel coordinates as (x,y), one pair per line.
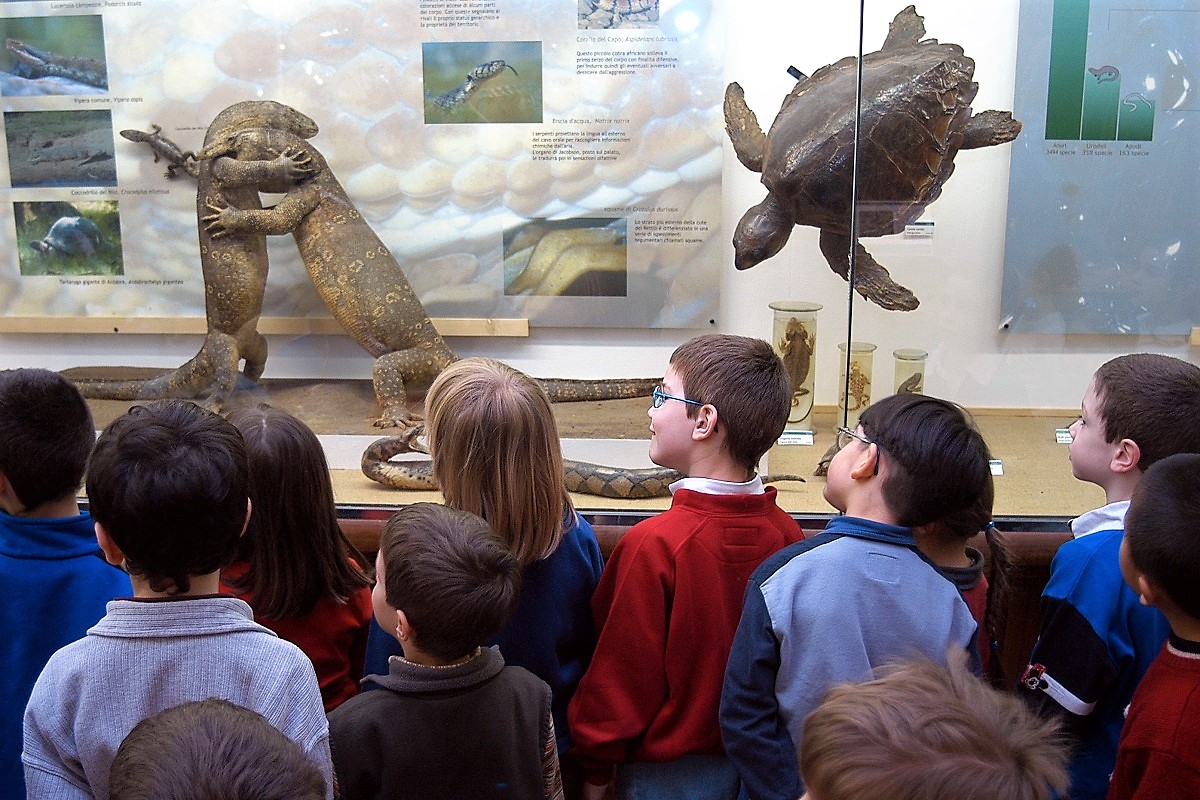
(285,326)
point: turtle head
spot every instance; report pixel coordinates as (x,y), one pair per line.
(761,233)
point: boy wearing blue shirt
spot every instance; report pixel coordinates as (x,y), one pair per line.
(1097,639)
(53,581)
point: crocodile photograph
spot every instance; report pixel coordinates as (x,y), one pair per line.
(60,148)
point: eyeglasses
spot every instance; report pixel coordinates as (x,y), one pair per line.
(660,397)
(844,435)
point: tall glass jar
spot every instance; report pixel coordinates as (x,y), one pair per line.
(794,337)
(854,387)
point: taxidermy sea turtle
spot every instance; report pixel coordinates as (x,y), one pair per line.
(916,116)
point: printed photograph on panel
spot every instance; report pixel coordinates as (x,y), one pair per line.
(60,148)
(618,14)
(60,238)
(473,82)
(582,257)
(53,56)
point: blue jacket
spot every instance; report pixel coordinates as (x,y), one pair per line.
(54,584)
(551,633)
(1097,641)
(824,611)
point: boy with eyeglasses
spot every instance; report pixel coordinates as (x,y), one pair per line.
(834,607)
(671,594)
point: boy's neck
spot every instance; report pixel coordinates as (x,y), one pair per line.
(1183,625)
(716,466)
(415,655)
(198,585)
(870,506)
(1121,487)
(62,508)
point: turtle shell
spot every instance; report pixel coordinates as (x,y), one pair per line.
(916,99)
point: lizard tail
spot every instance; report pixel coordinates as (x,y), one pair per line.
(568,390)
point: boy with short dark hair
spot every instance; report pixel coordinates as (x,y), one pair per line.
(1157,758)
(832,608)
(1097,639)
(53,580)
(208,749)
(670,595)
(167,484)
(924,732)
(449,720)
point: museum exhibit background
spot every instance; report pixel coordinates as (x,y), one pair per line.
(614,135)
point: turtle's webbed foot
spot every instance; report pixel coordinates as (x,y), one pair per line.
(878,287)
(989,128)
(871,279)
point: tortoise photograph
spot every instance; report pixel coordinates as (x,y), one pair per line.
(915,116)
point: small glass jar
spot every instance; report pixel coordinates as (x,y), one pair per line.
(910,370)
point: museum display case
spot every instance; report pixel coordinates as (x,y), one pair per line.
(571,188)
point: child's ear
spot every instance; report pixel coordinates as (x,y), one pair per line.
(8,498)
(1127,457)
(865,466)
(404,629)
(705,422)
(112,552)
(1148,592)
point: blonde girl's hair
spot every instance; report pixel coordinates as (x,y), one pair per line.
(496,453)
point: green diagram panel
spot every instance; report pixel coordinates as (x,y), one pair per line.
(1084,100)
(1103,234)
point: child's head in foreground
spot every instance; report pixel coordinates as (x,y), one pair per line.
(924,732)
(739,377)
(496,453)
(211,750)
(932,460)
(450,578)
(1138,409)
(167,483)
(296,551)
(46,434)
(1160,552)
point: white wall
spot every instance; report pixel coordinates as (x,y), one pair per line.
(957,275)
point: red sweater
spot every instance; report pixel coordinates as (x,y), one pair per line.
(666,609)
(1158,758)
(332,635)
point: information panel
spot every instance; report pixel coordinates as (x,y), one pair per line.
(558,160)
(1102,207)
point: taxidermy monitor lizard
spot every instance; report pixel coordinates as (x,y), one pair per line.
(234,267)
(357,277)
(359,280)
(368,293)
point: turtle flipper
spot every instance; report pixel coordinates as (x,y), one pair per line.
(871,279)
(905,30)
(988,128)
(749,141)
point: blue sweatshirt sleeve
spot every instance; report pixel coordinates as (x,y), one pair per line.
(752,729)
